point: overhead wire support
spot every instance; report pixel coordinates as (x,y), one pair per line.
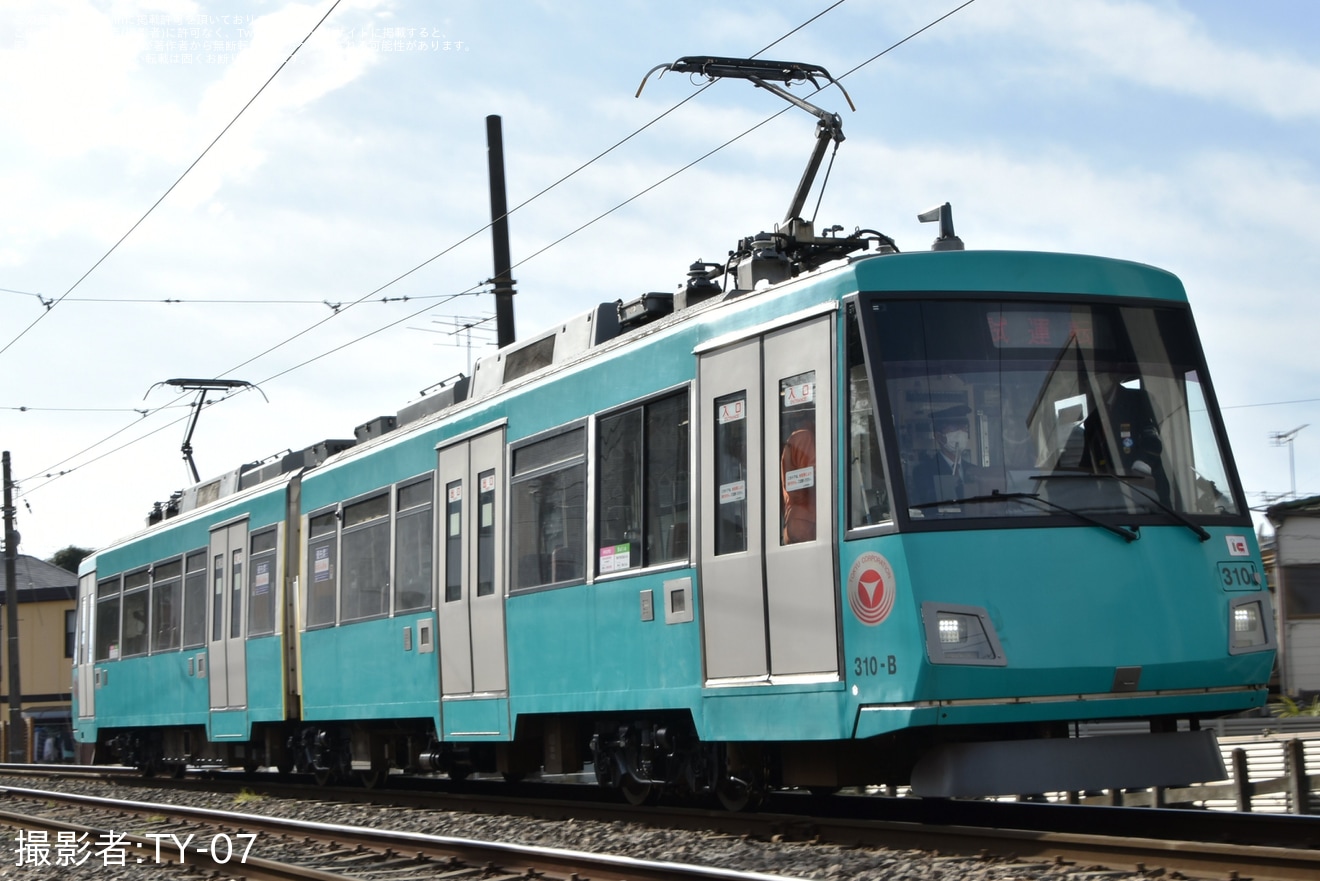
(764,74)
(202,386)
(179,180)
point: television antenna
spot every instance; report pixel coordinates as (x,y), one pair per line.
(1279,438)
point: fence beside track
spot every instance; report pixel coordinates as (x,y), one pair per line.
(1273,766)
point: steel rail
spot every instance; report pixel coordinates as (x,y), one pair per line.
(543,860)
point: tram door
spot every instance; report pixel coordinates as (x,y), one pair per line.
(768,579)
(84,668)
(471,532)
(225,640)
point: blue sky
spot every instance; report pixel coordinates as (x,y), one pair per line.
(1182,134)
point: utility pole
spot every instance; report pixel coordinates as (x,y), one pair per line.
(17,736)
(499,230)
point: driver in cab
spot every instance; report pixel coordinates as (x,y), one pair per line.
(947,474)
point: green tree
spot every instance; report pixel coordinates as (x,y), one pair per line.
(69,558)
(1288,708)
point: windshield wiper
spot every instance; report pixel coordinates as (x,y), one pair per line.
(997,496)
(1129,480)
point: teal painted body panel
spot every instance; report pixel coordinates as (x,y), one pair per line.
(586,649)
(1066,621)
(477,719)
(188,533)
(159,691)
(1027,272)
(152,690)
(363,473)
(265,679)
(228,725)
(776,712)
(363,671)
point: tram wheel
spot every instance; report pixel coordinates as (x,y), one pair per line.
(639,792)
(737,795)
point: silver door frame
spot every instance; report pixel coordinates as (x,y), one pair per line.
(472,642)
(83,646)
(227,650)
(771,611)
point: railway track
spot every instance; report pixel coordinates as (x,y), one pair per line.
(1052,839)
(87,829)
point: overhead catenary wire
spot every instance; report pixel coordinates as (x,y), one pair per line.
(202,155)
(485,227)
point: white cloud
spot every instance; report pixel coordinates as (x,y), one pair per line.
(1161,46)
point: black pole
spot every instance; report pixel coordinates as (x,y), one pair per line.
(17,736)
(499,228)
(187,447)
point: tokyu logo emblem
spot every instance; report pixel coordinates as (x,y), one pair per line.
(871,588)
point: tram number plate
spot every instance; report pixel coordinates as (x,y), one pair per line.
(1239,575)
(873,666)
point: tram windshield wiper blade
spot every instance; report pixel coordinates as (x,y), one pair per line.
(997,496)
(1130,481)
(993,496)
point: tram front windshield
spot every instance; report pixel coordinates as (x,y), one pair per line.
(1049,410)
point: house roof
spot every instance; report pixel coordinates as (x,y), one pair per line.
(39,581)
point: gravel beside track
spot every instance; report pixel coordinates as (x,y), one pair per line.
(791,859)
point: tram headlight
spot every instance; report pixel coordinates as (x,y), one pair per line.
(1248,626)
(953,629)
(960,635)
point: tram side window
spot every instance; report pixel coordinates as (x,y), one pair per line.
(486,533)
(263,561)
(365,550)
(322,557)
(549,510)
(412,547)
(797,460)
(107,620)
(668,451)
(166,605)
(619,470)
(236,593)
(868,493)
(731,473)
(217,597)
(454,541)
(135,613)
(194,600)
(643,491)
